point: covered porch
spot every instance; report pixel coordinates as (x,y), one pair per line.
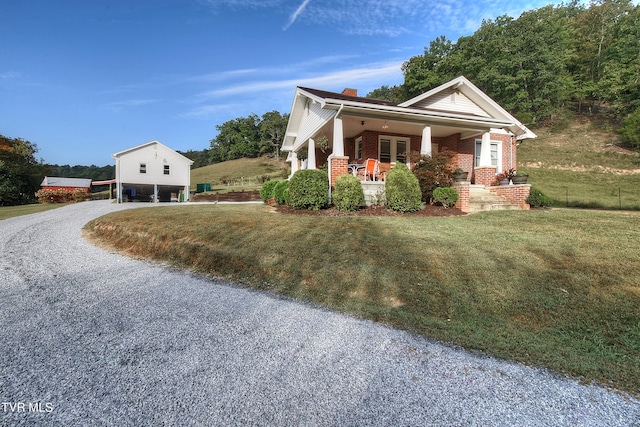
(342,132)
(349,141)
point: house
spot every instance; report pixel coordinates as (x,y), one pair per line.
(152,172)
(456,116)
(66,184)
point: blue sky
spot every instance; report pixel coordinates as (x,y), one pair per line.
(86,78)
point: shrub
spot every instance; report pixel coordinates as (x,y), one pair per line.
(433,172)
(309,189)
(348,195)
(537,198)
(402,190)
(281,192)
(62,195)
(446,196)
(266,191)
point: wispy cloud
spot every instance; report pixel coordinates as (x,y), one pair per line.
(274,91)
(295,14)
(208,110)
(120,105)
(365,74)
(9,75)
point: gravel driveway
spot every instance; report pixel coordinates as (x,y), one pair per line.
(94,338)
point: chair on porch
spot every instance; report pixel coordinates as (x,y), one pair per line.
(372,170)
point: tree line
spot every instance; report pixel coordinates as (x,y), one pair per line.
(251,136)
(548,61)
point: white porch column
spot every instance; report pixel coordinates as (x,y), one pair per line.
(338,137)
(155,193)
(295,164)
(485,150)
(311,156)
(425,146)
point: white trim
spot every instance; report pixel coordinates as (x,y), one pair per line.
(393,148)
(498,144)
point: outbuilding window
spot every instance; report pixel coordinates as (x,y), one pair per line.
(167,170)
(143,168)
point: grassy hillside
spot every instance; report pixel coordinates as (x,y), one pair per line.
(576,165)
(580,165)
(240,174)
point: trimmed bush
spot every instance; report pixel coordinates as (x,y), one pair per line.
(266,191)
(281,192)
(309,189)
(402,190)
(446,196)
(348,195)
(537,198)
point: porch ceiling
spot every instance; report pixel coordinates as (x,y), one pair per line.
(353,126)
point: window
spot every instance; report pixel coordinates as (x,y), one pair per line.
(167,170)
(495,154)
(143,168)
(393,150)
(401,151)
(358,153)
(385,150)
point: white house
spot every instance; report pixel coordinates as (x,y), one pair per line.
(152,172)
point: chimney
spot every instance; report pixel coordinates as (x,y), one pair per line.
(351,92)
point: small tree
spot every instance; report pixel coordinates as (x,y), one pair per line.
(433,172)
(348,195)
(402,190)
(630,130)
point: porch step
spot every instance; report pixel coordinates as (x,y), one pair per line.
(481,199)
(373,192)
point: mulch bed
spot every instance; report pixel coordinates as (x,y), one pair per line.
(251,196)
(233,196)
(428,211)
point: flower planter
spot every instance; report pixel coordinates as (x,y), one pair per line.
(460,176)
(519,179)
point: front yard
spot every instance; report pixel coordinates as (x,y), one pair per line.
(557,288)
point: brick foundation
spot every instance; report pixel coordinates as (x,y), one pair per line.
(463,195)
(514,193)
(339,167)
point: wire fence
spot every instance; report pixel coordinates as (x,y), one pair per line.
(619,198)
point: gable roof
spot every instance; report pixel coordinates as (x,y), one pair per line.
(146,144)
(55,181)
(432,99)
(456,104)
(323,94)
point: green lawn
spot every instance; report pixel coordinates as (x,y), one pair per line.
(587,189)
(11,211)
(554,288)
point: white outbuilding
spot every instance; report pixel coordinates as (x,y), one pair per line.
(152,172)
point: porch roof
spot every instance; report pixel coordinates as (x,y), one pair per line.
(476,114)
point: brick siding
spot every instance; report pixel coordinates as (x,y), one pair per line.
(514,193)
